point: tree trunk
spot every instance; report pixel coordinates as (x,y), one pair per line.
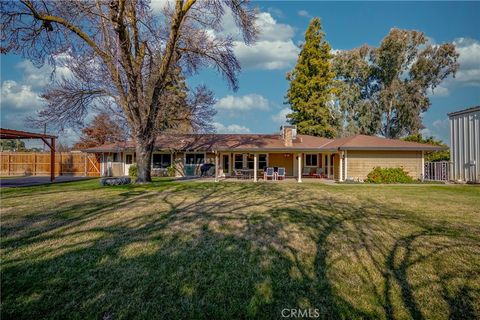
(144,149)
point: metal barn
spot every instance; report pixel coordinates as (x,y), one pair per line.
(465,144)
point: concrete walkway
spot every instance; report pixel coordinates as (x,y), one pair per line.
(9,182)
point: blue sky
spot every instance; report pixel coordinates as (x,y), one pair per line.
(258,104)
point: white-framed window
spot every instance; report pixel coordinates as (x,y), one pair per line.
(161,160)
(238,161)
(311,160)
(262,161)
(194,158)
(250,161)
(242,161)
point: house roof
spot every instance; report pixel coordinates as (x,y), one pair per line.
(224,142)
(267,142)
(468,110)
(364,142)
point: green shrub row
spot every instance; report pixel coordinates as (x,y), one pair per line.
(388,175)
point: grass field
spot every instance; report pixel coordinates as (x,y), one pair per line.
(240,250)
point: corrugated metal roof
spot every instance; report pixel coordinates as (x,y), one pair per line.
(468,110)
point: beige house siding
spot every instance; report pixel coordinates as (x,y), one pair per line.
(280,160)
(360,163)
(336,166)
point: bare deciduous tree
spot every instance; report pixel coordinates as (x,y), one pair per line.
(123,52)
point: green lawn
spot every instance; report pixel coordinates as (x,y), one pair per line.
(240,250)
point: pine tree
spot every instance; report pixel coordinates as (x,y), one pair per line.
(312,86)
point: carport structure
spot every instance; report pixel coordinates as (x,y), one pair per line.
(49,140)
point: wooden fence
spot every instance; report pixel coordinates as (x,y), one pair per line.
(38,163)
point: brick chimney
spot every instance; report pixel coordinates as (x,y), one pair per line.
(289,133)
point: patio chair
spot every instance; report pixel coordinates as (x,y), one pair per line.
(281,174)
(269,173)
(306,171)
(237,174)
(319,173)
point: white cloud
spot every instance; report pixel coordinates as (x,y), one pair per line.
(441,124)
(232,128)
(274,48)
(269,55)
(276,12)
(158,5)
(21,99)
(247,102)
(440,91)
(469,59)
(438,129)
(304,13)
(17,97)
(281,116)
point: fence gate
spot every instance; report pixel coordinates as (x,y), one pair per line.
(437,171)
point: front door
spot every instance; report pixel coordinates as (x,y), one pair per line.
(128,162)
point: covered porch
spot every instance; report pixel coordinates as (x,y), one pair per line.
(298,165)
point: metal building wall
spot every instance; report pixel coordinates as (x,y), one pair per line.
(465,145)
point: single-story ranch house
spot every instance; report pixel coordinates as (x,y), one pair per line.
(301,155)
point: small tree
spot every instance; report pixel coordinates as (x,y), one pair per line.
(121,54)
(12,145)
(102,129)
(311,90)
(443,155)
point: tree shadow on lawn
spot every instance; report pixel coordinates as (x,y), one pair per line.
(236,251)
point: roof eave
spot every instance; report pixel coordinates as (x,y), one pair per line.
(426,148)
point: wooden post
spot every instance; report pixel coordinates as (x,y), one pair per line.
(85,168)
(52,160)
(9,163)
(346,164)
(216,166)
(34,163)
(299,167)
(329,159)
(255,167)
(340,169)
(423,166)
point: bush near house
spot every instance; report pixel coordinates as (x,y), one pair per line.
(171,171)
(132,171)
(388,175)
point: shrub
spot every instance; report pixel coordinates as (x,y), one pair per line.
(388,175)
(133,171)
(171,171)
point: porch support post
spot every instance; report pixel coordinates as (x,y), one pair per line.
(423,165)
(299,162)
(52,160)
(329,158)
(346,164)
(255,167)
(340,169)
(216,166)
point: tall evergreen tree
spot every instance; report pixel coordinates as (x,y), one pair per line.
(312,86)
